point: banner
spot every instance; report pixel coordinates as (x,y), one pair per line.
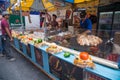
(15,20)
(32,21)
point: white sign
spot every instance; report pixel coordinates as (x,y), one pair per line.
(34,23)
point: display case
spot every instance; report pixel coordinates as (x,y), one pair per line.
(108,20)
(108,29)
(105,24)
(61,68)
(65,68)
(116,21)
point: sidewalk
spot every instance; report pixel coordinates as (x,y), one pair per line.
(21,69)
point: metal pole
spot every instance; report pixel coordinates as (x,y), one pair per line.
(21,17)
(45,27)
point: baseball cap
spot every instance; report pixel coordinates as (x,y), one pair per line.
(5,13)
(54,15)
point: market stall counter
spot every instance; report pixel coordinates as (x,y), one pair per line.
(56,62)
(105,72)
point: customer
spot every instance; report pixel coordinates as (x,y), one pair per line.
(6,36)
(85,23)
(0,37)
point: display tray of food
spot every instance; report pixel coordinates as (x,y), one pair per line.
(53,48)
(84,60)
(61,38)
(88,40)
(30,37)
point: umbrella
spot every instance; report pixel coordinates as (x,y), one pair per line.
(75,1)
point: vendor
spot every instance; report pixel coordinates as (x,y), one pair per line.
(47,19)
(54,23)
(59,26)
(42,16)
(85,23)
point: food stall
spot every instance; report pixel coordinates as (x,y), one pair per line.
(65,55)
(63,63)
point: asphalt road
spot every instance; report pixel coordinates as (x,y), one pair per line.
(20,69)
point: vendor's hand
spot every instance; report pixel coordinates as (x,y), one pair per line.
(88,31)
(84,33)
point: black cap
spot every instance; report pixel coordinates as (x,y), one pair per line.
(54,15)
(82,14)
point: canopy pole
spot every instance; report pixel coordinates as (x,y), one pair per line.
(21,17)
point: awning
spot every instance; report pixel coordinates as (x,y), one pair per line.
(48,5)
(25,5)
(2,0)
(76,1)
(37,5)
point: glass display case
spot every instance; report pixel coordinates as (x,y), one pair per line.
(116,21)
(108,20)
(108,29)
(62,68)
(116,27)
(105,24)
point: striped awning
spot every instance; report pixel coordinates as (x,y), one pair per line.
(76,1)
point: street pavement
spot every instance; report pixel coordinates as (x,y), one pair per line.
(20,69)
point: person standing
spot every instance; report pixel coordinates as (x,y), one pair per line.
(47,18)
(59,27)
(6,36)
(42,17)
(85,23)
(0,37)
(54,23)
